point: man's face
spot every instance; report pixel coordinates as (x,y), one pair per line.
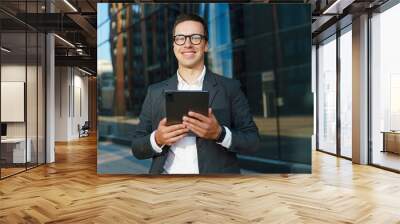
(188,54)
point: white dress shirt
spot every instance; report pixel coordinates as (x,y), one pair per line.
(182,157)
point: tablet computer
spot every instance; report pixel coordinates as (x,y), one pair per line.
(179,103)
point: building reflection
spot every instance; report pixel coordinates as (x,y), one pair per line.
(258,44)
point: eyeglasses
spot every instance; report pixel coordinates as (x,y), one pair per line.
(195,39)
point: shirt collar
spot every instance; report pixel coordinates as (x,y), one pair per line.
(198,81)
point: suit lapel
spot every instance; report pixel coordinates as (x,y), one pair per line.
(210,85)
(170,84)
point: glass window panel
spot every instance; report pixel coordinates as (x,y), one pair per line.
(102,12)
(327,96)
(385,87)
(346,94)
(103,32)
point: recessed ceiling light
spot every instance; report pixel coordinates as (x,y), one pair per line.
(5,50)
(84,71)
(70,5)
(64,40)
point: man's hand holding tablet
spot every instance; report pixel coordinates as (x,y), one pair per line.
(186,111)
(168,135)
(206,127)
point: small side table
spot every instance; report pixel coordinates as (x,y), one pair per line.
(391,141)
(14,150)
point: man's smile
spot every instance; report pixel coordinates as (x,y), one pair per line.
(188,53)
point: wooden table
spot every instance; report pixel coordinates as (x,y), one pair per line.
(391,141)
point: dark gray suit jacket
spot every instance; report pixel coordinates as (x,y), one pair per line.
(229,106)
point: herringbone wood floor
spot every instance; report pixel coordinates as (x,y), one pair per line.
(70,191)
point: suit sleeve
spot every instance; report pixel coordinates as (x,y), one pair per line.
(141,145)
(245,137)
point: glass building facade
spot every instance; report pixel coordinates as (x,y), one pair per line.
(257,44)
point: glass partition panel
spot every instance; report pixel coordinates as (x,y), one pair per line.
(41,86)
(22,87)
(31,98)
(14,153)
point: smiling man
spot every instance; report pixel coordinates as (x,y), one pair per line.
(227,130)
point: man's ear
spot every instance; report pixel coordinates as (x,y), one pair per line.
(206,47)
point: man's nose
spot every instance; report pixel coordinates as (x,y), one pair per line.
(188,42)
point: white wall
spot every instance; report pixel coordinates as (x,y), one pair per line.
(12,101)
(81,82)
(71,93)
(61,103)
(12,73)
(33,125)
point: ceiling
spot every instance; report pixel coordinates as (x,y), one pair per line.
(331,15)
(72,20)
(75,21)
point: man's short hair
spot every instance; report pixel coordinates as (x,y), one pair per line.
(191,17)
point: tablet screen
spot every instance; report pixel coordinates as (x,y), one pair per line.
(179,103)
